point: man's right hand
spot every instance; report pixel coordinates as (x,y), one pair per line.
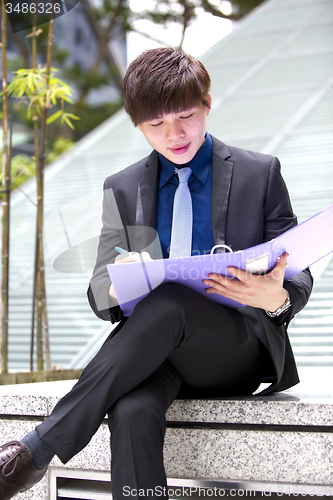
(128,257)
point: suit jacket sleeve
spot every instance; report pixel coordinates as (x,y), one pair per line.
(260,210)
(112,234)
(277,212)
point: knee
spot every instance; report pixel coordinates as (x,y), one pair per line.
(172,296)
(136,413)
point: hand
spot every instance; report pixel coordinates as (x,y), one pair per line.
(129,257)
(132,257)
(265,292)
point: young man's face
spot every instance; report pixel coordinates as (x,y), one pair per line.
(177,136)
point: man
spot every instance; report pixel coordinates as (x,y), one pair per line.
(176,341)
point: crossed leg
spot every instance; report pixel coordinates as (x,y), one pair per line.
(212,349)
(137,424)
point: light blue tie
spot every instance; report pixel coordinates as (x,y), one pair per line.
(182,218)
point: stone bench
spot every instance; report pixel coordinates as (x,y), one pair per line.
(278,443)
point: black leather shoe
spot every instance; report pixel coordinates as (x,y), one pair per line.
(17,470)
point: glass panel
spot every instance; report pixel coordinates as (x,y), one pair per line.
(252,144)
(291,17)
(241,48)
(259,115)
(119,138)
(325,19)
(224,77)
(321,115)
(307,162)
(303,71)
(297,3)
(313,39)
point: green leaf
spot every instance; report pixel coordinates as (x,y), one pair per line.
(67,99)
(54,117)
(66,120)
(73,117)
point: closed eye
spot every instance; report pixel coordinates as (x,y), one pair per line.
(186,117)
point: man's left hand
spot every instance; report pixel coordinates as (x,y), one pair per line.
(265,291)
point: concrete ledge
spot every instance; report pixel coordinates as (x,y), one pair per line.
(277,410)
(38,376)
(286,438)
(283,438)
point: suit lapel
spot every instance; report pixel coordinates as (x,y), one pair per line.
(221,183)
(144,233)
(147,193)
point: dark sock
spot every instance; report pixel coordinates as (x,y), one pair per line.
(41,453)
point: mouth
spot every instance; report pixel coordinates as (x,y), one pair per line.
(180,150)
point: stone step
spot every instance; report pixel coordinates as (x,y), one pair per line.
(278,443)
(310,330)
(312,350)
(63,333)
(314,321)
(313,361)
(320,341)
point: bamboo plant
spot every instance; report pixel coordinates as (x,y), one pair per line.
(41,90)
(5,198)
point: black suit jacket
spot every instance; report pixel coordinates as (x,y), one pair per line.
(250,205)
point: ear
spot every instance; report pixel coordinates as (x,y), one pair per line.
(210,103)
(139,127)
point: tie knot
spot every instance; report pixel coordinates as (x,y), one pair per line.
(183,174)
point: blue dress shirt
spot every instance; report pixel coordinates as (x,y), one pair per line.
(200,184)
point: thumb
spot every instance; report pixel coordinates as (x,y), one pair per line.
(281,264)
(146,256)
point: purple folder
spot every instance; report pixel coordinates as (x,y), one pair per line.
(305,244)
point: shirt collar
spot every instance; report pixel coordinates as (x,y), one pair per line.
(199,164)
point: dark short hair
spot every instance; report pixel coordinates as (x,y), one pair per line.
(164,80)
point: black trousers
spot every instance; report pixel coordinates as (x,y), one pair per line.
(175,337)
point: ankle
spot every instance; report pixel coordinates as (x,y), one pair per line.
(41,453)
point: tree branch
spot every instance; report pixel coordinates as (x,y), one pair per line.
(23,49)
(103,43)
(208,7)
(188,14)
(104,40)
(150,37)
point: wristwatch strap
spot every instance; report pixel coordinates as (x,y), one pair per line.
(280,310)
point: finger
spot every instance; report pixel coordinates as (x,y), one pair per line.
(220,289)
(215,276)
(280,267)
(218,278)
(238,273)
(129,257)
(214,287)
(212,283)
(283,260)
(223,284)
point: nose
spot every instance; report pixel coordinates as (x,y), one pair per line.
(175,130)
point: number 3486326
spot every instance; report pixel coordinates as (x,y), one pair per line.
(32,8)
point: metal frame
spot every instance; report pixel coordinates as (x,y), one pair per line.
(182,488)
